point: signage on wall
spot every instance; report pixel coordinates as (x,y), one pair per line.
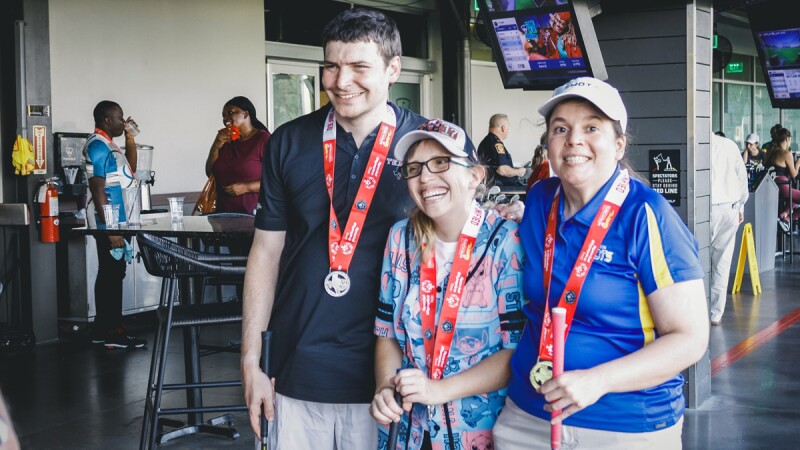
(39,149)
(665,174)
(735,67)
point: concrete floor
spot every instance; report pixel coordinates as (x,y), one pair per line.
(69,395)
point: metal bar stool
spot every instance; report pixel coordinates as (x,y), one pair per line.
(173,262)
(784,203)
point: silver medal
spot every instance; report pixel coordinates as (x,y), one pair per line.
(337,283)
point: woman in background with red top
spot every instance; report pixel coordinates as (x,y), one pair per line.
(235,157)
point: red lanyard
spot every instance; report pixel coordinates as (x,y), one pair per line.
(341,248)
(437,346)
(597,232)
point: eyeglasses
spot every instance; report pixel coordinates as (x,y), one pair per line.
(435,165)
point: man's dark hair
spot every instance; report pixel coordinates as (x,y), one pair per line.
(103,110)
(365,25)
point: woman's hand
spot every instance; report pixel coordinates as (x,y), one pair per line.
(572,391)
(384,408)
(416,387)
(511,211)
(236,189)
(223,137)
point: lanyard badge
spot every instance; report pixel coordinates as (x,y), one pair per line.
(605,216)
(341,246)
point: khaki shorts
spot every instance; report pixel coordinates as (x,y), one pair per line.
(301,425)
(516,429)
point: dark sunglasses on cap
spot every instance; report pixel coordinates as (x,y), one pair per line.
(437,164)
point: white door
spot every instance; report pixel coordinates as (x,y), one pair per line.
(291,91)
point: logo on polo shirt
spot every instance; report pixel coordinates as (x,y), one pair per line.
(604,255)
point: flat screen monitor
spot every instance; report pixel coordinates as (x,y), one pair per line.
(541,44)
(779,53)
(776,34)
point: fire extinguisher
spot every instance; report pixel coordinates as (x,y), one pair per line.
(48,212)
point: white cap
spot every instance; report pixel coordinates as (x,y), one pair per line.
(752,138)
(601,94)
(452,137)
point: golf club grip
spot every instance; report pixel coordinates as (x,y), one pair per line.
(266,339)
(394,428)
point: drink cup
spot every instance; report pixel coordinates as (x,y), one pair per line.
(233,132)
(115,215)
(176,209)
(108,213)
(132,128)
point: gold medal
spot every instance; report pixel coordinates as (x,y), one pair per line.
(541,372)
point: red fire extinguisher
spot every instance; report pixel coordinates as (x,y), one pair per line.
(48,212)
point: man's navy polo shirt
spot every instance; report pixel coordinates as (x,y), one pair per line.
(323,347)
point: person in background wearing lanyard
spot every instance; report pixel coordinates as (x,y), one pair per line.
(110,173)
(617,256)
(447,240)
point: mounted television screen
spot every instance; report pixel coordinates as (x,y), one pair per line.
(777,39)
(779,54)
(541,44)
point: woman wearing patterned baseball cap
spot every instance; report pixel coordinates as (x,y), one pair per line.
(449,311)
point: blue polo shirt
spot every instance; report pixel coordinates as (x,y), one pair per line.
(647,247)
(323,347)
(101,159)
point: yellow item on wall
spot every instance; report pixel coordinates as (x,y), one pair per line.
(22,156)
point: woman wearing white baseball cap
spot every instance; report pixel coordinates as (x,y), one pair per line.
(449,308)
(612,252)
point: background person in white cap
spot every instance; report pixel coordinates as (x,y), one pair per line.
(728,195)
(636,291)
(752,153)
(466,300)
(753,159)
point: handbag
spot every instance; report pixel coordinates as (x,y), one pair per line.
(207,202)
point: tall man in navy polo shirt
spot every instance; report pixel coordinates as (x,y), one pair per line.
(329,194)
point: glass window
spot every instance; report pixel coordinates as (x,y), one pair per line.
(765,116)
(294,96)
(737,117)
(716,117)
(740,68)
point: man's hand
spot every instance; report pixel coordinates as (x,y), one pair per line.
(384,408)
(117,241)
(259,394)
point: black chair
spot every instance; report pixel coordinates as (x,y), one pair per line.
(174,262)
(215,246)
